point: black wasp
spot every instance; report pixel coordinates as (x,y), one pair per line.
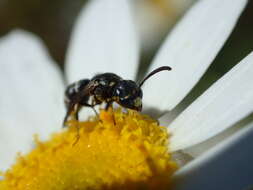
(108,88)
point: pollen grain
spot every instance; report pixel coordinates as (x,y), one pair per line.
(121,150)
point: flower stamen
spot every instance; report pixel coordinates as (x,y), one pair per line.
(130,154)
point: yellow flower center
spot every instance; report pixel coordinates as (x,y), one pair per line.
(118,151)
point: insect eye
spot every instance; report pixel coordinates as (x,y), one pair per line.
(120,90)
(124,93)
(117,92)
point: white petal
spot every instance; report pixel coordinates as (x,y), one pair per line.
(31,94)
(104,40)
(201,148)
(226,166)
(227,101)
(190,49)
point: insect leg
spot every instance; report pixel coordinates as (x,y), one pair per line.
(77,108)
(72,109)
(77,135)
(108,105)
(69,110)
(91,106)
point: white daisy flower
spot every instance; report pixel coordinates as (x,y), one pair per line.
(104,40)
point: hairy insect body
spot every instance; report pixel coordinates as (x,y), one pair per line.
(73,90)
(102,86)
(105,88)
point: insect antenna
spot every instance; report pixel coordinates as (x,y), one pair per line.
(163,68)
